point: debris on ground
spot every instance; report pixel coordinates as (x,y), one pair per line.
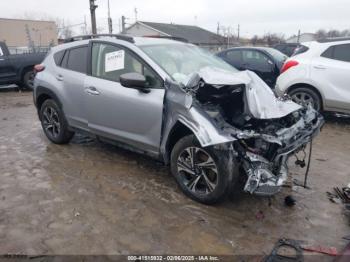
(286,250)
(343,194)
(345,254)
(290,201)
(334,198)
(260,215)
(332,251)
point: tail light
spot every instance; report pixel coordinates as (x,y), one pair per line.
(39,68)
(288,65)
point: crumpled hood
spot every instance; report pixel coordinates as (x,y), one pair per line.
(261,101)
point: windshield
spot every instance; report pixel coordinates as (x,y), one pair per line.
(181,60)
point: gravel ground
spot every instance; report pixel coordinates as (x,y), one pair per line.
(92,198)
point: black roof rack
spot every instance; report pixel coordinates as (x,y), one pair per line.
(84,37)
(334,39)
(181,39)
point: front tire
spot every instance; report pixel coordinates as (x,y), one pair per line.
(205,174)
(54,123)
(305,96)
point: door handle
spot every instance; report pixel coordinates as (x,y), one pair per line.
(320,67)
(2,59)
(59,77)
(92,91)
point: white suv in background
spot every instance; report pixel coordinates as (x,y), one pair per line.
(319,74)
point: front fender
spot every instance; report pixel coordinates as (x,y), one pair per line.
(204,130)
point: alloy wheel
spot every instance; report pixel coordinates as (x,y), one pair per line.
(305,99)
(51,122)
(198,170)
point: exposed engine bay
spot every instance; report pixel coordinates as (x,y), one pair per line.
(240,113)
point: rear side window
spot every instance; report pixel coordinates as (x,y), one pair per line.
(328,53)
(338,52)
(77,59)
(342,52)
(58,57)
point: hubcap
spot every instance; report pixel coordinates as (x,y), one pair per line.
(304,99)
(51,122)
(197,170)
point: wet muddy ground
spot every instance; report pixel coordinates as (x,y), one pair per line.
(92,198)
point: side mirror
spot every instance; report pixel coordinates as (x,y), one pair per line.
(134,80)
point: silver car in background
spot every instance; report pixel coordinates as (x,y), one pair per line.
(177,103)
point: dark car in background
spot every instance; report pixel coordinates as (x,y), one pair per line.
(264,61)
(18,68)
(286,48)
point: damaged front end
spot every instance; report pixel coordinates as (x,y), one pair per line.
(238,112)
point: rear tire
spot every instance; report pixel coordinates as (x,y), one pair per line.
(209,177)
(28,80)
(304,96)
(54,123)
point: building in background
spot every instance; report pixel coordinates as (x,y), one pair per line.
(23,35)
(193,34)
(305,37)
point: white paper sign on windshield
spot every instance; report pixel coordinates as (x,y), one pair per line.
(114,61)
(1,53)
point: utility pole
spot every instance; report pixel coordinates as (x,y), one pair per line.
(123,23)
(298,41)
(238,29)
(110,26)
(218,29)
(85,25)
(135,11)
(93,16)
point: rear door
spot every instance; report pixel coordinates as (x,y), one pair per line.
(72,74)
(332,72)
(117,112)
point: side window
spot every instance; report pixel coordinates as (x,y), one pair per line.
(77,59)
(58,57)
(342,52)
(65,59)
(110,62)
(328,53)
(256,60)
(234,56)
(1,53)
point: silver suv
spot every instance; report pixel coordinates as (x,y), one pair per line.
(177,103)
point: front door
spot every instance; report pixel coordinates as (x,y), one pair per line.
(7,71)
(117,112)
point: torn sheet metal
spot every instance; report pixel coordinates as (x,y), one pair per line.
(283,126)
(261,101)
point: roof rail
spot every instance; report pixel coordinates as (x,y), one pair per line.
(84,37)
(181,39)
(334,39)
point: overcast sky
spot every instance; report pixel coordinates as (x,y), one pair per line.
(255,17)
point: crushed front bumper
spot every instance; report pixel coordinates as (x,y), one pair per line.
(266,177)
